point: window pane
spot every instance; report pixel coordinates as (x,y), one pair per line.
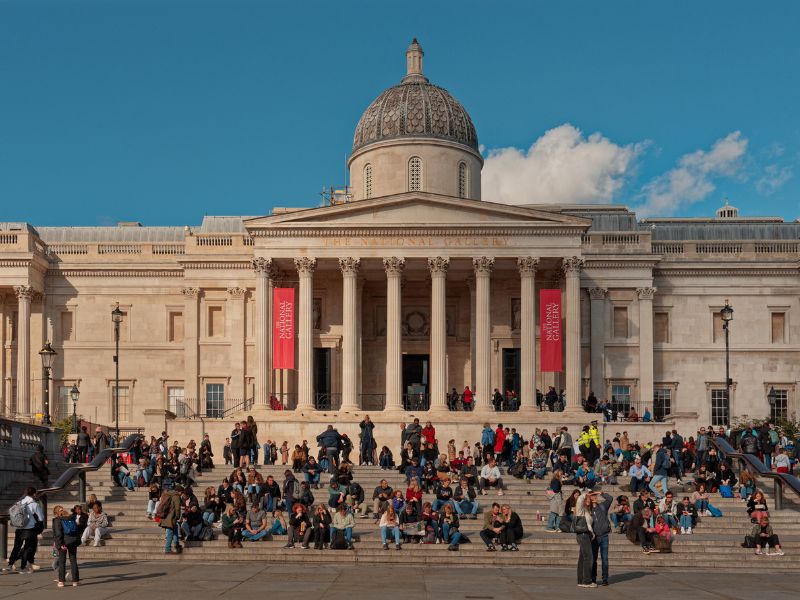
(215,400)
(661,327)
(720,408)
(415,174)
(620,322)
(662,403)
(780,410)
(621,399)
(175,401)
(124,405)
(778,325)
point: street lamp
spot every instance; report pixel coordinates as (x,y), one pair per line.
(116,318)
(48,356)
(74,394)
(772,396)
(726,313)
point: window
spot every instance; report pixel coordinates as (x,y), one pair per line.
(368,181)
(67,326)
(620,321)
(124,404)
(661,327)
(175,402)
(415,174)
(662,403)
(719,331)
(175,333)
(216,327)
(215,400)
(621,399)
(463,180)
(720,407)
(63,402)
(778,327)
(779,410)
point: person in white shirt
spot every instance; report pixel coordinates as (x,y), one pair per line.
(490,477)
(96,526)
(26,538)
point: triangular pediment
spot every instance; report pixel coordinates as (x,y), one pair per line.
(415,210)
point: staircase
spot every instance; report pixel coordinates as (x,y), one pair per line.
(715,543)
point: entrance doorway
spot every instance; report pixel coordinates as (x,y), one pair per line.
(415,381)
(322,379)
(511,376)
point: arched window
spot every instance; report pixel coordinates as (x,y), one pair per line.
(463,180)
(368,181)
(415,174)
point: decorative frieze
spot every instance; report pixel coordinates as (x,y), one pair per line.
(237,292)
(190,292)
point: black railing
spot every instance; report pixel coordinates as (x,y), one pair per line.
(327,401)
(372,401)
(66,478)
(416,401)
(185,408)
(752,463)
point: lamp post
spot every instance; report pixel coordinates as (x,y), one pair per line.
(772,396)
(116,318)
(726,313)
(48,356)
(74,394)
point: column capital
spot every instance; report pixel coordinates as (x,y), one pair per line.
(237,292)
(646,293)
(438,265)
(483,265)
(261,265)
(597,293)
(572,266)
(190,292)
(24,292)
(526,265)
(394,265)
(305,265)
(349,265)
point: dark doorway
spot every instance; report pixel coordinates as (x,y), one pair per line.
(322,378)
(511,374)
(415,381)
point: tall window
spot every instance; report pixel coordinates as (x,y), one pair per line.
(621,399)
(662,403)
(620,321)
(778,327)
(779,410)
(720,408)
(175,401)
(124,404)
(415,174)
(215,400)
(463,180)
(368,181)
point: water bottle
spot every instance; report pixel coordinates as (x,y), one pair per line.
(538,516)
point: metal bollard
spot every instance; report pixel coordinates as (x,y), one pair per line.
(82,488)
(778,494)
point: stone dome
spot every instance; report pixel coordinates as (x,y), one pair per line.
(415,108)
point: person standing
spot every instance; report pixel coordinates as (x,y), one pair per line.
(169,511)
(584,534)
(661,467)
(330,440)
(100,440)
(83,443)
(26,536)
(236,444)
(38,462)
(601,527)
(66,542)
(367,437)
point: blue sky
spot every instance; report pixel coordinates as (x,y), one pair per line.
(165,110)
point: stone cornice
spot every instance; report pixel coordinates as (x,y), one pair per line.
(217,264)
(788,271)
(443,231)
(632,263)
(106,272)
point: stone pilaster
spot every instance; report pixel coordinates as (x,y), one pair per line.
(191,345)
(305,375)
(350,304)
(238,357)
(394,360)
(265,276)
(597,342)
(483,267)
(526,265)
(24,295)
(646,344)
(438,376)
(5,401)
(572,271)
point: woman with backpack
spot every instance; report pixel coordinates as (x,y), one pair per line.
(66,542)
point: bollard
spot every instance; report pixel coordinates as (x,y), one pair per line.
(778,494)
(4,539)
(82,488)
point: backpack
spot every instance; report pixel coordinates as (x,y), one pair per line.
(750,444)
(296,489)
(339,542)
(773,437)
(69,527)
(18,515)
(206,534)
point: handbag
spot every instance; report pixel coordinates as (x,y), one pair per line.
(579,525)
(749,542)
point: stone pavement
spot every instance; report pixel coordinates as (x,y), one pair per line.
(124,580)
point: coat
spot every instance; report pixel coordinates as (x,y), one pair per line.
(173,512)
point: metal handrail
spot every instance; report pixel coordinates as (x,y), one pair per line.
(756,467)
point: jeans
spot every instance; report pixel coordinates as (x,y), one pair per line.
(172,534)
(679,466)
(268,503)
(664,485)
(466,506)
(438,504)
(768,460)
(253,488)
(126,481)
(394,530)
(72,552)
(277,528)
(209,517)
(267,455)
(254,537)
(192,531)
(669,519)
(25,544)
(333,458)
(96,532)
(554,520)
(386,462)
(312,479)
(617,520)
(701,506)
(348,534)
(584,558)
(746,491)
(637,485)
(686,521)
(600,546)
(448,539)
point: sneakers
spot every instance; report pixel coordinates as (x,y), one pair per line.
(514,548)
(398,547)
(288,546)
(683,530)
(778,553)
(587,585)
(453,547)
(34,567)
(385,546)
(490,548)
(689,530)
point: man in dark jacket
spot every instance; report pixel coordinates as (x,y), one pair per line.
(330,440)
(272,495)
(414,434)
(464,499)
(381,498)
(601,527)
(367,436)
(83,442)
(39,462)
(661,469)
(236,445)
(677,454)
(170,514)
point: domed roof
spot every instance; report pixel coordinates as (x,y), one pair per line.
(415,108)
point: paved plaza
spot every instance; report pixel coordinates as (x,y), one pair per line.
(122,580)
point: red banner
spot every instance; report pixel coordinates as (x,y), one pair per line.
(550,331)
(283,328)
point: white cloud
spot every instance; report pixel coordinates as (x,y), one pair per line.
(693,178)
(562,166)
(774,177)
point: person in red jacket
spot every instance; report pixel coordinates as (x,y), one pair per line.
(429,433)
(466,398)
(499,441)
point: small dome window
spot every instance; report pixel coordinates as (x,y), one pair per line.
(463,180)
(415,174)
(368,181)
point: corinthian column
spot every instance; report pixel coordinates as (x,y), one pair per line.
(527,331)
(598,339)
(394,362)
(483,330)
(305,376)
(438,372)
(572,269)
(646,345)
(264,271)
(350,304)
(191,354)
(24,294)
